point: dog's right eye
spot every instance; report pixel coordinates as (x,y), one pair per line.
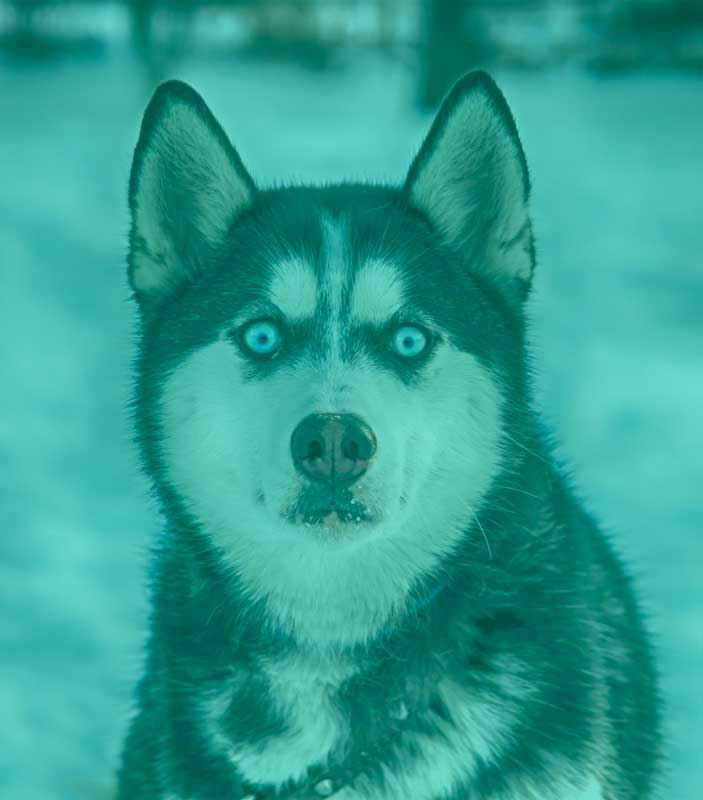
(261,338)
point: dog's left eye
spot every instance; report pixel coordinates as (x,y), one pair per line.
(263,338)
(409,341)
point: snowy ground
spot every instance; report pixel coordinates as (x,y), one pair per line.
(618,209)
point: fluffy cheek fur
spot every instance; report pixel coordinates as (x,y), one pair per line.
(225,446)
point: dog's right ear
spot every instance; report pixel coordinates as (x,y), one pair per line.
(186,187)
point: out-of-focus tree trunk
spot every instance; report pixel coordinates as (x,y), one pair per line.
(646,33)
(159,50)
(142,14)
(23,32)
(289,31)
(453,40)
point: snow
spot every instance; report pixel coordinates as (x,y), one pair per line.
(618,330)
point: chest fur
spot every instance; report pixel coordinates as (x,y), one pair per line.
(294,717)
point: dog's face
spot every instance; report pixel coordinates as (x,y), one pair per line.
(326,373)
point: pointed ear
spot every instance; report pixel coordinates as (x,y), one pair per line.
(186,187)
(470,179)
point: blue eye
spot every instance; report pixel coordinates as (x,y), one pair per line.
(409,341)
(263,337)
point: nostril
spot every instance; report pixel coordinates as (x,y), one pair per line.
(360,442)
(314,450)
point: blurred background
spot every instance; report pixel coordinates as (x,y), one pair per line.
(608,98)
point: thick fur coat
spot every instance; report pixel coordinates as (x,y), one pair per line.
(374,582)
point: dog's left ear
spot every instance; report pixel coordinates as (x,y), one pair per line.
(470,179)
(186,188)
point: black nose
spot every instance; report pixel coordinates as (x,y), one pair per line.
(333,448)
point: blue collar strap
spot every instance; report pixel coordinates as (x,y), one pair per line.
(431,596)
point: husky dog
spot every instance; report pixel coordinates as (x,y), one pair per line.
(374,582)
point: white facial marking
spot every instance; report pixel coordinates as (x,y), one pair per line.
(377,293)
(226,441)
(336,250)
(293,289)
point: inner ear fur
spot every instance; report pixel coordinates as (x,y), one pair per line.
(187,186)
(470,179)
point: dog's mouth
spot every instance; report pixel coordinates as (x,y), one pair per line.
(332,517)
(334,513)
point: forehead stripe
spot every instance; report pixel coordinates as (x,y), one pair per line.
(377,293)
(293,289)
(335,243)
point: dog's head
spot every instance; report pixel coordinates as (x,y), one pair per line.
(327,375)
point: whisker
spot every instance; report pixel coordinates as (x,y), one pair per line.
(485,538)
(526,448)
